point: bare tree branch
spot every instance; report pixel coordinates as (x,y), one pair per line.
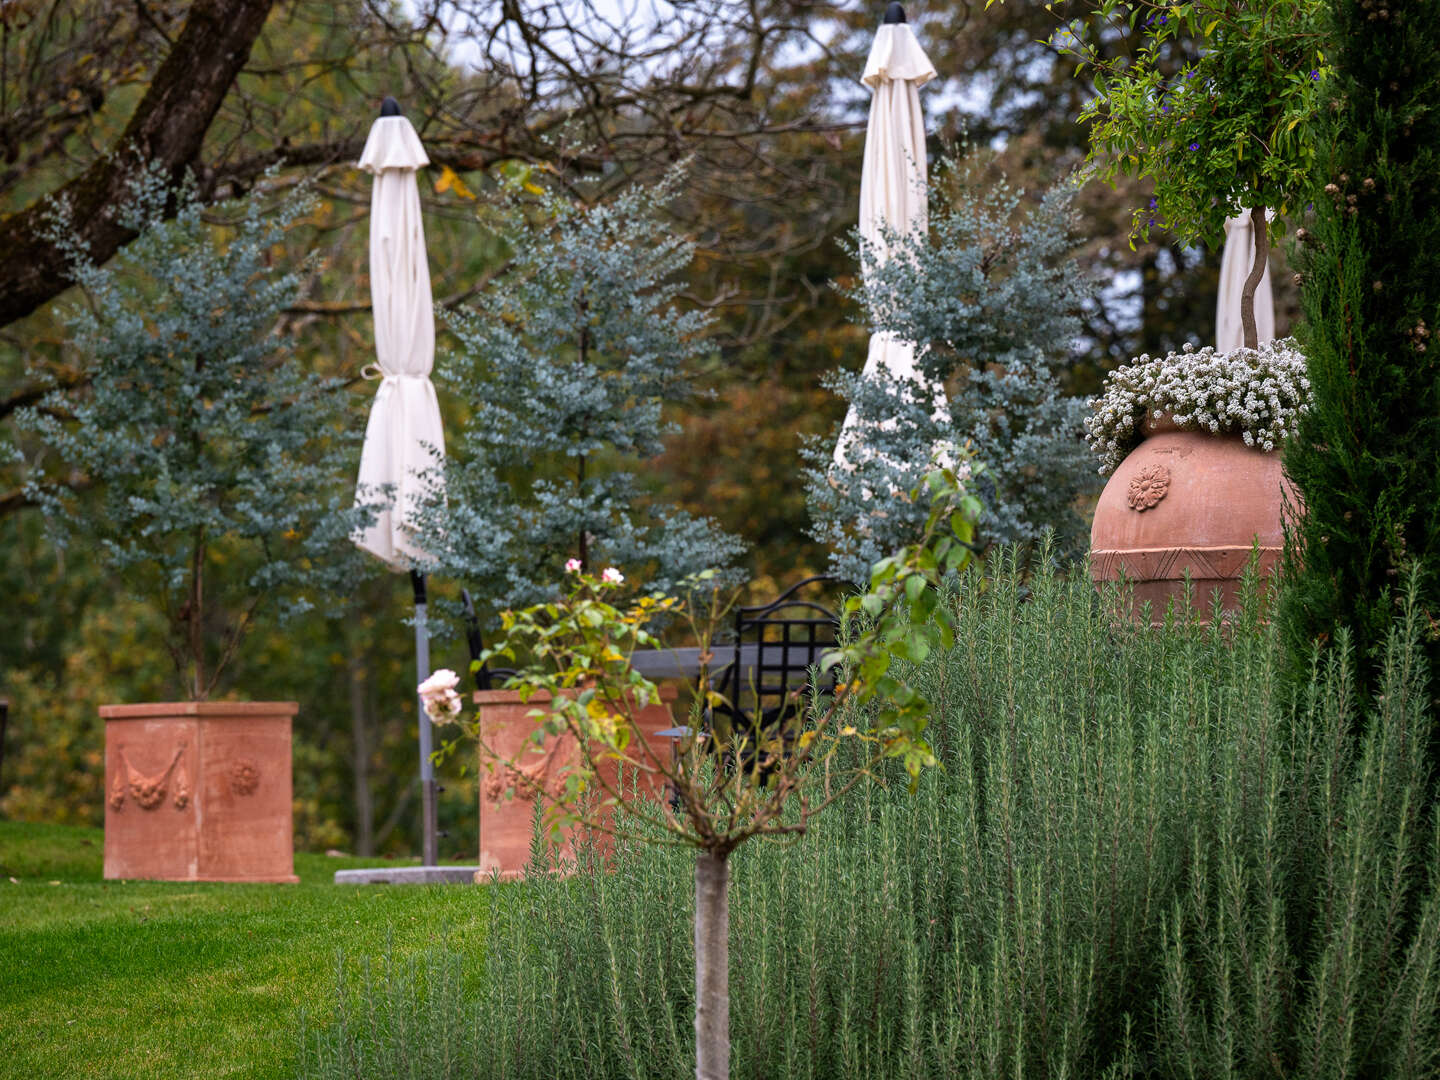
(166,130)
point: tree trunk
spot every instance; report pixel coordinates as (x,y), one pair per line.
(712,966)
(584,538)
(197,621)
(166,131)
(584,305)
(1261,228)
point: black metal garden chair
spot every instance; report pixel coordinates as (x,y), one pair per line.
(777,646)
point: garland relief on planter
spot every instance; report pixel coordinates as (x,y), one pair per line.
(199,791)
(514,772)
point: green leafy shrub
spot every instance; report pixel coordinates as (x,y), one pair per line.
(1136,862)
(1213,101)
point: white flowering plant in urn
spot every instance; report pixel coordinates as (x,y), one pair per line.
(1259,394)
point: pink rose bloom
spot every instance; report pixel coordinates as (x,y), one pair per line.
(572,566)
(438,683)
(611,576)
(438,697)
(444,707)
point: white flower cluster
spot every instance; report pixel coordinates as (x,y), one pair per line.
(1259,393)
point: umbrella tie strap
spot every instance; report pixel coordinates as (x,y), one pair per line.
(375,371)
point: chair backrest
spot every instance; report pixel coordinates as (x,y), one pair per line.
(776,645)
(486,677)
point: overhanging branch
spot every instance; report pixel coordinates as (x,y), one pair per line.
(166,131)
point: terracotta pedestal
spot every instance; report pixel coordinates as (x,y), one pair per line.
(1188,501)
(506,824)
(199,791)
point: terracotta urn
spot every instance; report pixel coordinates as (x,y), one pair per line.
(516,770)
(199,791)
(1188,501)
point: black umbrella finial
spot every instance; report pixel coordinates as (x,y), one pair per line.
(391,107)
(894,14)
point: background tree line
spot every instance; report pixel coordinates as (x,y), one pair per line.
(249,98)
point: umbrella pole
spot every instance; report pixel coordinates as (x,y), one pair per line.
(430,854)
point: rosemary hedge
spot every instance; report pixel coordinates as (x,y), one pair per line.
(1137,861)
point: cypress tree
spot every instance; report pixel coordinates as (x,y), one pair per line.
(1366,462)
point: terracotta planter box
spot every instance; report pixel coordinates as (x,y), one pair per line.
(199,791)
(1188,501)
(506,824)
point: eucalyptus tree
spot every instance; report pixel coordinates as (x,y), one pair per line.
(217,460)
(566,363)
(991,298)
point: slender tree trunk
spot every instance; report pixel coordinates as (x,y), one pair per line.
(360,758)
(197,623)
(712,966)
(1261,228)
(584,533)
(584,305)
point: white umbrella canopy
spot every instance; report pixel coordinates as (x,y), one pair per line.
(1235,266)
(893,179)
(404,440)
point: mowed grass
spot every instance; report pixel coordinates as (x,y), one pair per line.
(146,979)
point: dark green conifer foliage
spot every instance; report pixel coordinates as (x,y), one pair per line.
(1367,459)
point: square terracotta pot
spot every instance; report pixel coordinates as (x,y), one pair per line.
(199,791)
(506,824)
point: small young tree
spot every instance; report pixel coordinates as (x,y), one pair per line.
(214,455)
(1366,460)
(566,364)
(1215,106)
(755,781)
(991,297)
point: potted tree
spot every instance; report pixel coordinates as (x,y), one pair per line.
(566,364)
(211,457)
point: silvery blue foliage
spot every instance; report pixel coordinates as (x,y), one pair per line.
(566,363)
(218,484)
(991,298)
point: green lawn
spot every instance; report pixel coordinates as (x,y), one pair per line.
(143,979)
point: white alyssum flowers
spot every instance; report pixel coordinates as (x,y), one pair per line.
(1259,393)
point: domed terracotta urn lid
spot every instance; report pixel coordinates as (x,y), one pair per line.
(1188,501)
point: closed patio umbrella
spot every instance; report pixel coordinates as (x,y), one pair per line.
(893,178)
(404,440)
(1235,266)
